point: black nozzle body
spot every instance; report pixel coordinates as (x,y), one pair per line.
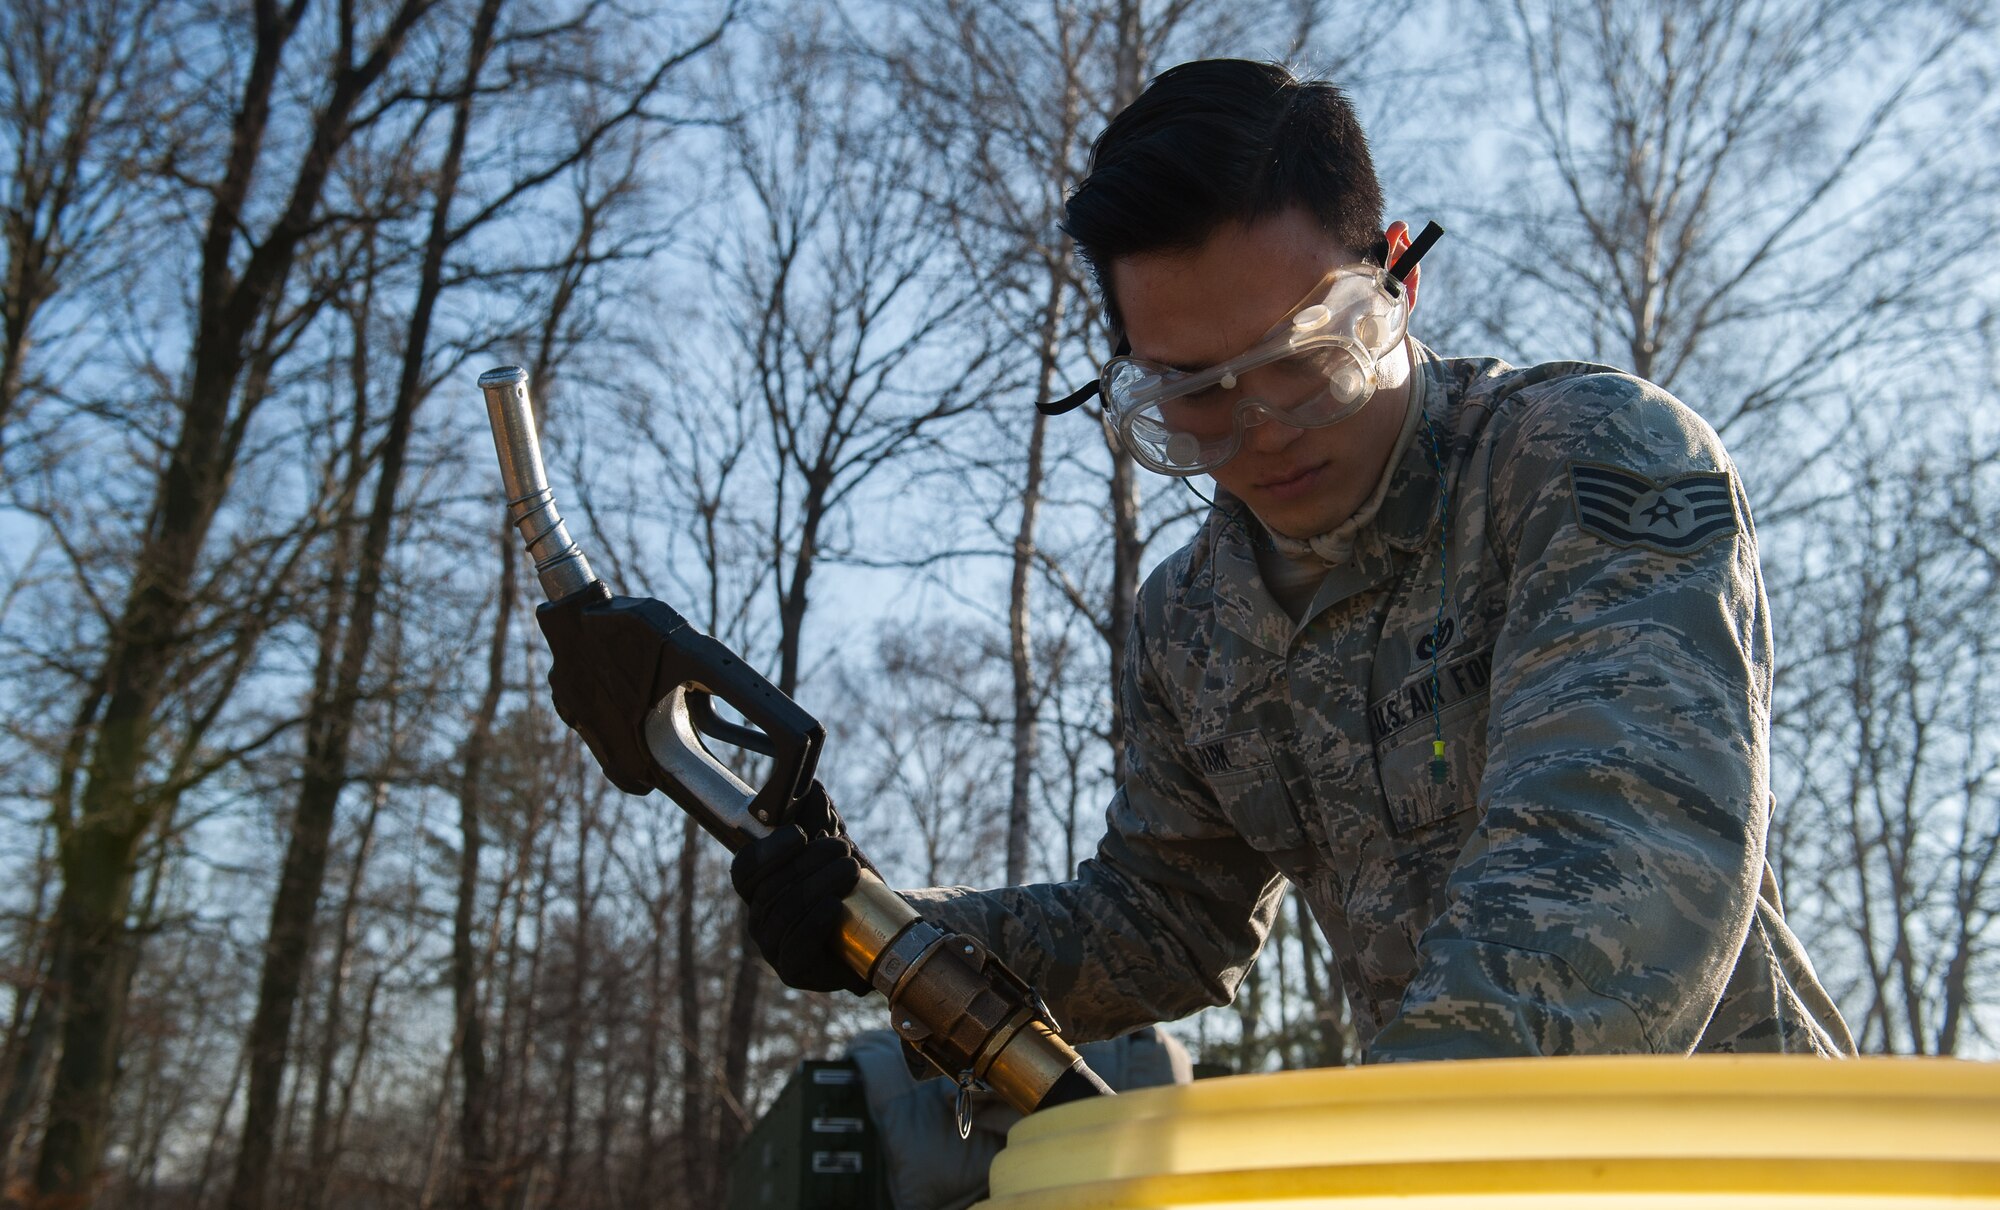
(615,659)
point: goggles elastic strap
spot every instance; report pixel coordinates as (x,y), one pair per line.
(1085,393)
(1406,264)
(1070,402)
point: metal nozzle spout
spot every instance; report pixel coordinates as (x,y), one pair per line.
(531,506)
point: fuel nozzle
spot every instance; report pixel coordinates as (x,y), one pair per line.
(638,681)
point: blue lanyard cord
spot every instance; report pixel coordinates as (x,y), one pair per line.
(1440,770)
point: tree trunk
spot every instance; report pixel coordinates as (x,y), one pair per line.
(30,1059)
(1020,638)
(697,1160)
(526,1140)
(475,1151)
(572,1049)
(98,854)
(747,982)
(640,1191)
(1126,546)
(330,720)
(320,1151)
(740,1029)
(29,1068)
(364,1035)
(339,567)
(212,1153)
(90,922)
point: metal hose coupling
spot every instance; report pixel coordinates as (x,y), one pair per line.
(959,1006)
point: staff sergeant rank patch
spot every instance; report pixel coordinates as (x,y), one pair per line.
(1677,517)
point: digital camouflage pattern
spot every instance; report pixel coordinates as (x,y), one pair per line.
(1588,877)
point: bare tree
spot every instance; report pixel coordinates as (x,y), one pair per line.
(78,87)
(998,96)
(329,1104)
(1703,204)
(851,333)
(929,745)
(700,433)
(345,654)
(114,812)
(331,719)
(1889,727)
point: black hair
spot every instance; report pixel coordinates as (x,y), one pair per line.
(1219,141)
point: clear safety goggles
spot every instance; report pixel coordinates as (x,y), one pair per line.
(1315,368)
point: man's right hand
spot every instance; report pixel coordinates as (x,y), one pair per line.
(793,881)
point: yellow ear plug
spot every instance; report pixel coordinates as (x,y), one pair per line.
(1439,770)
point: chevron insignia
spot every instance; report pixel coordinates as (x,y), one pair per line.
(1677,517)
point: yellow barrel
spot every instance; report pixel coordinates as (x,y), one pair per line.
(1625,1132)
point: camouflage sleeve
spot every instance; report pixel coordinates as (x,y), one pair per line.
(1164,920)
(1601,902)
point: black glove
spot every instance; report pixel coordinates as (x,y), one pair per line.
(793,880)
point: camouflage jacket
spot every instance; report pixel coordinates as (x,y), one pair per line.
(1589,875)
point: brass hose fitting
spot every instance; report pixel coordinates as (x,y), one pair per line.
(959,1006)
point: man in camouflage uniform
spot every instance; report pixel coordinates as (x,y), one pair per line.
(1551,572)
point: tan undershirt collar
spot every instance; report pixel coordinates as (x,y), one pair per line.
(1293,567)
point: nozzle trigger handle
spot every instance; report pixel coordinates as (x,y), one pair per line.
(701,708)
(635,679)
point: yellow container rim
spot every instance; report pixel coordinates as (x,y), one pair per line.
(1710,1127)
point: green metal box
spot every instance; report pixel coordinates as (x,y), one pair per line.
(815,1149)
